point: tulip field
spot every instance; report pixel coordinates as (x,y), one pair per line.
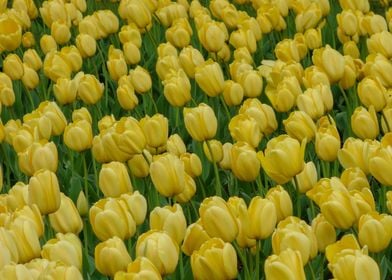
(195,139)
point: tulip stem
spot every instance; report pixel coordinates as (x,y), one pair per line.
(85,177)
(298,196)
(225,108)
(153,101)
(260,185)
(243,259)
(85,235)
(258,245)
(218,186)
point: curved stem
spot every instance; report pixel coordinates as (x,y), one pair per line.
(218,186)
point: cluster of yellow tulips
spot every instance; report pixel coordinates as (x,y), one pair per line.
(151,139)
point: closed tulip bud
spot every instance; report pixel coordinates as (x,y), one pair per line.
(170,219)
(283,158)
(82,204)
(167,173)
(47,43)
(72,56)
(313,38)
(225,163)
(243,127)
(109,217)
(350,48)
(139,166)
(252,83)
(126,97)
(90,90)
(13,67)
(65,90)
(263,113)
(16,271)
(78,136)
(26,240)
(130,33)
(283,98)
(11,34)
(137,206)
(155,129)
(295,234)
(44,191)
(282,201)
(354,179)
(65,248)
(225,53)
(189,59)
(287,264)
(379,165)
(56,66)
(218,219)
(60,32)
(372,92)
(136,12)
(374,231)
(300,126)
(243,38)
(209,77)
(31,214)
(32,59)
(177,88)
(347,243)
(30,77)
(348,22)
(263,214)
(200,122)
(166,65)
(17,196)
(356,153)
(141,79)
(195,236)
(307,178)
(192,164)
(86,45)
(28,40)
(331,61)
(244,162)
(131,53)
(116,64)
(233,93)
(114,179)
(175,145)
(327,134)
(324,231)
(287,50)
(56,116)
(81,114)
(111,256)
(179,34)
(364,123)
(166,258)
(140,268)
(66,218)
(189,190)
(213,150)
(213,35)
(215,259)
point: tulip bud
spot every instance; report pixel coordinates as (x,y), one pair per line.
(177,88)
(242,127)
(233,93)
(141,79)
(65,90)
(327,134)
(295,234)
(175,145)
(166,258)
(111,256)
(213,150)
(200,122)
(213,35)
(13,67)
(300,126)
(60,32)
(284,96)
(324,231)
(209,77)
(283,158)
(170,219)
(86,45)
(47,44)
(155,129)
(56,66)
(65,248)
(372,92)
(331,61)
(167,174)
(114,179)
(287,264)
(364,123)
(78,136)
(217,219)
(195,236)
(189,59)
(44,191)
(30,78)
(354,179)
(141,268)
(137,206)
(179,34)
(307,178)
(244,162)
(189,190)
(282,201)
(263,214)
(126,97)
(82,204)
(139,166)
(32,59)
(109,217)
(90,90)
(216,259)
(26,240)
(116,64)
(313,38)
(66,218)
(72,56)
(192,164)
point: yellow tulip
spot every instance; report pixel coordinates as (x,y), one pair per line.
(282,201)
(140,268)
(189,59)
(114,179)
(364,123)
(78,136)
(213,35)
(141,79)
(155,129)
(137,206)
(288,264)
(200,122)
(244,162)
(26,240)
(209,77)
(324,231)
(90,90)
(300,126)
(177,88)
(330,61)
(354,179)
(242,127)
(263,216)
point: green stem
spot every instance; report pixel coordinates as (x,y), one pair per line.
(260,185)
(85,178)
(85,234)
(218,186)
(153,101)
(225,108)
(258,245)
(298,196)
(243,260)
